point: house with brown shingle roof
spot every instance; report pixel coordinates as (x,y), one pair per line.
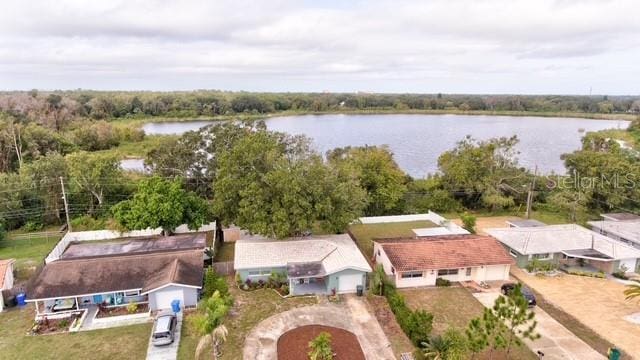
(416,262)
(151,270)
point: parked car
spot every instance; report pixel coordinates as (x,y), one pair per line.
(164,329)
(507,288)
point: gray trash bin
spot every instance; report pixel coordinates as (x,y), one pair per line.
(359,290)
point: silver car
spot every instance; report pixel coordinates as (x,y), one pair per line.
(164,329)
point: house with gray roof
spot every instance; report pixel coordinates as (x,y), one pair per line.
(627,231)
(567,244)
(312,265)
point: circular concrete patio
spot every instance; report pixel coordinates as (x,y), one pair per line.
(351,315)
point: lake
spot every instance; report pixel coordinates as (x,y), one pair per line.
(417,140)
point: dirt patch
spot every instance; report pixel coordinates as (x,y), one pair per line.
(47,326)
(294,344)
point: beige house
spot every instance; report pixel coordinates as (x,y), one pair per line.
(418,262)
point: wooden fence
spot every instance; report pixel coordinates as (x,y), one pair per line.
(224,267)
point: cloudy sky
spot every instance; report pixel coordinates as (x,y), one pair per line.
(453,46)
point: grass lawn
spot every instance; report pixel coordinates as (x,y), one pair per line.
(455,306)
(28,252)
(225,252)
(250,308)
(365,234)
(128,342)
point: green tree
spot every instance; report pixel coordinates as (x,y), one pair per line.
(161,203)
(378,174)
(452,345)
(273,184)
(484,173)
(429,194)
(213,282)
(208,322)
(95,174)
(320,347)
(378,280)
(468,222)
(44,175)
(477,336)
(513,311)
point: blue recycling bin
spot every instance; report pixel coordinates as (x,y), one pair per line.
(20,299)
(175,306)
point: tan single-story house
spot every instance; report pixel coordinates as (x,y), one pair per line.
(6,278)
(153,270)
(419,262)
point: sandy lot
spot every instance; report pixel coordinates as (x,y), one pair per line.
(597,303)
(489,222)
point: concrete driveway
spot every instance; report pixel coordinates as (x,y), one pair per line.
(351,315)
(556,342)
(167,352)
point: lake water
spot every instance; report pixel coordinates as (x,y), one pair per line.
(418,140)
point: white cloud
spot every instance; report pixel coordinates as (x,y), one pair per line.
(478,46)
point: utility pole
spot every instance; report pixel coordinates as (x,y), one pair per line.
(532,185)
(66,205)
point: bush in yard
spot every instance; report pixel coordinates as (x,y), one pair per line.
(214,282)
(452,345)
(442,282)
(320,347)
(31,226)
(3,232)
(132,308)
(417,324)
(468,222)
(63,323)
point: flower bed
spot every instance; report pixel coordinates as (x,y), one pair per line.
(104,312)
(294,344)
(50,326)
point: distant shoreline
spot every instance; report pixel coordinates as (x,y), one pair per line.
(251,117)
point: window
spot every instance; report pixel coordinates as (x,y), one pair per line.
(468,271)
(261,272)
(513,253)
(132,293)
(444,272)
(544,256)
(411,274)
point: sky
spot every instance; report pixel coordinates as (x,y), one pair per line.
(449,46)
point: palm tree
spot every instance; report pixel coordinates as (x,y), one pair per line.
(213,341)
(436,348)
(633,291)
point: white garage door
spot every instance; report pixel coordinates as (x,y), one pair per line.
(165,297)
(348,283)
(495,273)
(630,264)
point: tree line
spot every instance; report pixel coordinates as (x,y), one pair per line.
(55,109)
(275,184)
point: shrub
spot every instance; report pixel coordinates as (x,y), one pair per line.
(87,223)
(415,324)
(468,222)
(30,226)
(284,289)
(620,275)
(214,282)
(599,275)
(63,323)
(442,282)
(320,347)
(132,307)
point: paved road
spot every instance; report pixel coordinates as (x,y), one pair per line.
(167,352)
(556,342)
